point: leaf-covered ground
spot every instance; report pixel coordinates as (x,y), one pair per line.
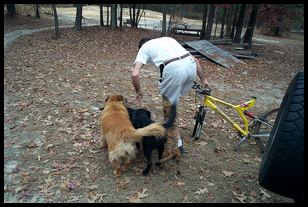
(52,89)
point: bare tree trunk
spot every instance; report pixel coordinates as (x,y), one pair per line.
(138,16)
(229,20)
(234,22)
(164,26)
(202,35)
(101,15)
(57,32)
(108,23)
(132,10)
(217,15)
(121,14)
(223,23)
(169,23)
(37,12)
(209,26)
(240,23)
(134,16)
(78,21)
(130,14)
(116,15)
(277,30)
(251,25)
(113,16)
(11,9)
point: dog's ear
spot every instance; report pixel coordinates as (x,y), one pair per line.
(107,98)
(120,98)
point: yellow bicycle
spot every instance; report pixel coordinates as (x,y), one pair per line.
(257,127)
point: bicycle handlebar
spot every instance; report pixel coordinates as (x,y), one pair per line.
(201,90)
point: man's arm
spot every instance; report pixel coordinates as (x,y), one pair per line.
(136,80)
(200,73)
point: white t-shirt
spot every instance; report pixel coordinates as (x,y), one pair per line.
(156,51)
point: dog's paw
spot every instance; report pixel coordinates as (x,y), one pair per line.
(125,168)
(158,163)
(117,172)
(145,172)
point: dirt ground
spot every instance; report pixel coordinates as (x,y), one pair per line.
(52,89)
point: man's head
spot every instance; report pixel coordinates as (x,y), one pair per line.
(143,40)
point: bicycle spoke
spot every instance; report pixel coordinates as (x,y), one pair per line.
(262,127)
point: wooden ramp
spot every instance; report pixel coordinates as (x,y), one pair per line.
(214,53)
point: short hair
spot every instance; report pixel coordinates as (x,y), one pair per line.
(143,40)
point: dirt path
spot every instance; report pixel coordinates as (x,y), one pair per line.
(51,122)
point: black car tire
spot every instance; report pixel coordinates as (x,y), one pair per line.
(282,166)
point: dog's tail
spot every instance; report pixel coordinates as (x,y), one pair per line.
(171,118)
(154,130)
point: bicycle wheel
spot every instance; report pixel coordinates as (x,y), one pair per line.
(199,122)
(263,129)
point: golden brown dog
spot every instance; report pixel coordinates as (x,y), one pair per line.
(120,135)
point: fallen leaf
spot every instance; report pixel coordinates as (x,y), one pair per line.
(19,188)
(137,199)
(32,145)
(219,149)
(71,185)
(91,187)
(71,153)
(210,184)
(210,195)
(92,151)
(227,174)
(264,195)
(74,198)
(178,183)
(46,171)
(57,166)
(258,159)
(202,143)
(241,197)
(83,110)
(50,146)
(253,193)
(201,191)
(246,160)
(123,182)
(96,196)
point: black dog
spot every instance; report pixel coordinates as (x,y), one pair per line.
(141,118)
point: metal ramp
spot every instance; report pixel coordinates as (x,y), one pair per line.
(214,53)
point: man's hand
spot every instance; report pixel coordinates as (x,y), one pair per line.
(205,83)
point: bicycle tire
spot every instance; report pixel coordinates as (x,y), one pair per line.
(199,123)
(256,126)
(282,165)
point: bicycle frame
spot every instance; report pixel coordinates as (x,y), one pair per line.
(240,109)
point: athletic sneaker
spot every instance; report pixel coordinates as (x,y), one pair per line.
(182,150)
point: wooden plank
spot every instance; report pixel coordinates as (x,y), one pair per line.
(214,53)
